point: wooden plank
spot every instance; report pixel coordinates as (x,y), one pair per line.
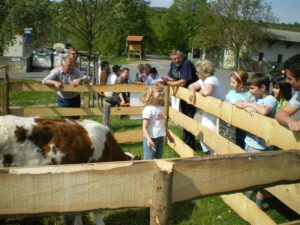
(82,187)
(242,205)
(81,88)
(288,194)
(209,104)
(182,149)
(267,128)
(130,136)
(220,174)
(295,222)
(220,144)
(5,93)
(133,110)
(55,111)
(160,205)
(74,188)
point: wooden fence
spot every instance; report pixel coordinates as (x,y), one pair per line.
(58,189)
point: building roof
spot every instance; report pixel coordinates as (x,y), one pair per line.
(285,35)
(135,38)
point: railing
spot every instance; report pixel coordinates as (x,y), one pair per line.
(184,178)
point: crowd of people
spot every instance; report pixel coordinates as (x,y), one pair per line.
(250,93)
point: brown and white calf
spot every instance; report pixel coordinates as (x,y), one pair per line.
(29,141)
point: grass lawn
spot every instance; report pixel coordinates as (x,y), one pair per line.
(206,211)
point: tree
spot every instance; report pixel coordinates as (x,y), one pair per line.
(88,19)
(234,25)
(131,20)
(175,27)
(16,15)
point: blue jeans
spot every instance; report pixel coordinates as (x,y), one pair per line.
(73,102)
(149,153)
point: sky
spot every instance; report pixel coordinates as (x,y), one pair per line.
(287,11)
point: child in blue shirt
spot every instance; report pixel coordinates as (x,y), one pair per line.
(239,91)
(264,104)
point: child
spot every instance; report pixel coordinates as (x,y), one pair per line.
(238,81)
(264,104)
(153,77)
(120,98)
(282,91)
(153,123)
(140,76)
(208,85)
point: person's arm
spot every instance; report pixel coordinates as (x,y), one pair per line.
(122,98)
(284,117)
(175,83)
(263,110)
(147,135)
(207,89)
(53,79)
(193,88)
(169,136)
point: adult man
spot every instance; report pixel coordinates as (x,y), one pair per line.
(181,74)
(284,115)
(66,74)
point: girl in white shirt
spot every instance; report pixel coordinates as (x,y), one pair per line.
(153,122)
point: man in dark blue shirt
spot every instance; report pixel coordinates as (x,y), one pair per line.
(182,73)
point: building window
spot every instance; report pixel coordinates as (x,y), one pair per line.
(260,56)
(279,58)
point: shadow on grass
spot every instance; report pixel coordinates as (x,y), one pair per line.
(284,213)
(180,212)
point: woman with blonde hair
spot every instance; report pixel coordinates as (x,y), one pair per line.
(208,85)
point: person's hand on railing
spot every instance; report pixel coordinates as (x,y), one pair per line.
(76,82)
(192,96)
(58,85)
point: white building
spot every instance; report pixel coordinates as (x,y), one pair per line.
(276,49)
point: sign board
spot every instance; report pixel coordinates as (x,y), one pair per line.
(28,30)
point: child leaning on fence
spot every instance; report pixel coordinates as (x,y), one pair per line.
(264,104)
(154,129)
(282,91)
(239,91)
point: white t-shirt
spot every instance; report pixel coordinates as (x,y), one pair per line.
(154,114)
(208,120)
(110,80)
(150,80)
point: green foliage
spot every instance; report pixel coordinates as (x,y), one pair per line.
(22,14)
(234,25)
(130,20)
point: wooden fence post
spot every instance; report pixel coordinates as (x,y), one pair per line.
(160,205)
(106,114)
(166,107)
(5,93)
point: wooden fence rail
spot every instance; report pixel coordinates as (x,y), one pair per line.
(184,185)
(83,187)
